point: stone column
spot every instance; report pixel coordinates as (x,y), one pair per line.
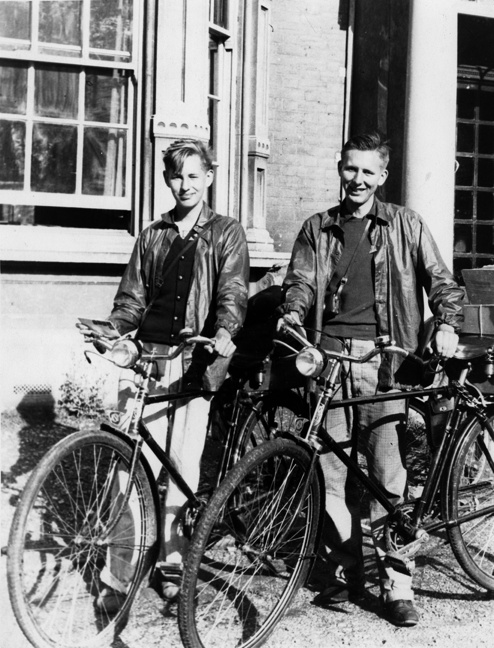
(254,124)
(430,120)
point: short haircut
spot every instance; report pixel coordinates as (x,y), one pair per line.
(176,154)
(369,142)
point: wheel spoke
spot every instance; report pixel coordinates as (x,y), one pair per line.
(471,505)
(60,549)
(251,550)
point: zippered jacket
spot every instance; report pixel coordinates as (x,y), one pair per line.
(218,293)
(406,262)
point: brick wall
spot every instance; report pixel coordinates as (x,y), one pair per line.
(306,104)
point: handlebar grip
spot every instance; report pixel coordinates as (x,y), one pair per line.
(201,339)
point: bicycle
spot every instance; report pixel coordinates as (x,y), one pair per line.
(65,519)
(255,543)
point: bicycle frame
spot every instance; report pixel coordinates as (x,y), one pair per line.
(316,435)
(139,432)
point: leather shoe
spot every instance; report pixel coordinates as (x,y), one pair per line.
(402,613)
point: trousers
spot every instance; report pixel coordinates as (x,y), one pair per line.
(378,430)
(180,427)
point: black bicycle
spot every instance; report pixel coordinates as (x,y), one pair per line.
(255,543)
(65,521)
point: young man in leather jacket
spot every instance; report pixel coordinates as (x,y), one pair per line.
(358,271)
(188,269)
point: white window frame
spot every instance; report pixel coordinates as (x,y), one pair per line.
(224,96)
(84,64)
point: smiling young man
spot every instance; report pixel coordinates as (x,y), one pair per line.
(358,271)
(188,269)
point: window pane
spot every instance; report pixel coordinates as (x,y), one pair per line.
(463,238)
(218,11)
(111,27)
(466,103)
(103,172)
(15,19)
(12,145)
(486,173)
(486,139)
(17,214)
(485,206)
(56,93)
(106,97)
(464,175)
(13,89)
(465,138)
(60,22)
(487,104)
(485,239)
(53,164)
(463,204)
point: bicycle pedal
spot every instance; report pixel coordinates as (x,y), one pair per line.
(402,559)
(169,571)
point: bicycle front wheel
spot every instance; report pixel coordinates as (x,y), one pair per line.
(470,504)
(272,416)
(252,549)
(64,537)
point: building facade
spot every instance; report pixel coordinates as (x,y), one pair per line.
(93,91)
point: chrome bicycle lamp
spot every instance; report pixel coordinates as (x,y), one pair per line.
(124,353)
(310,362)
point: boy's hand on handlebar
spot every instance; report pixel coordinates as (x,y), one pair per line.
(293,319)
(445,341)
(92,337)
(223,344)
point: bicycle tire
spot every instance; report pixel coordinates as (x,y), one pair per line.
(273,415)
(470,489)
(54,560)
(252,550)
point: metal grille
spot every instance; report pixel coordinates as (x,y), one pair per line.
(32,389)
(474,190)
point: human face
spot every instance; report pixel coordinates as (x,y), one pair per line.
(189,184)
(361,173)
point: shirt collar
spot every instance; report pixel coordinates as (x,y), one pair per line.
(204,216)
(333,217)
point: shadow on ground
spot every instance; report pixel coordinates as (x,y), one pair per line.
(37,429)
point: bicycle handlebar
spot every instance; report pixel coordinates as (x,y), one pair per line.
(186,336)
(383,345)
(189,340)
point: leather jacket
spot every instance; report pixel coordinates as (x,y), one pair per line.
(218,293)
(406,262)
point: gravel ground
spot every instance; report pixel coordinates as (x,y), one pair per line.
(455,612)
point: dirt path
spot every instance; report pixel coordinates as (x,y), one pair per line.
(455,612)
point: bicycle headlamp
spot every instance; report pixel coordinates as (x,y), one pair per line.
(310,362)
(124,353)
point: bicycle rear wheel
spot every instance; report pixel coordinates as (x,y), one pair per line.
(470,504)
(57,544)
(252,549)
